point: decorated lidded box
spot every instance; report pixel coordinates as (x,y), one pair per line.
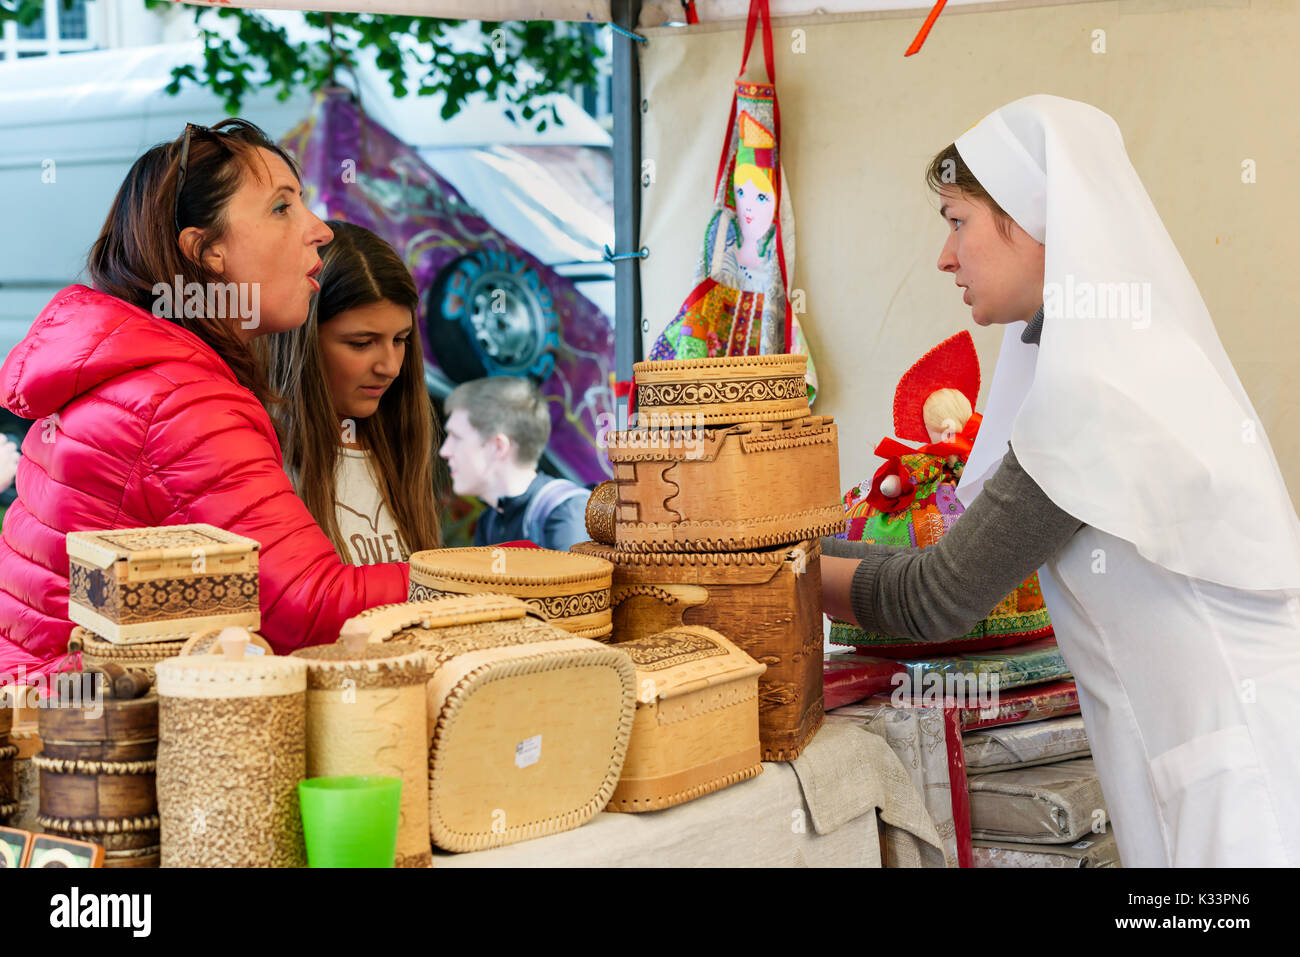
(136,585)
(696,724)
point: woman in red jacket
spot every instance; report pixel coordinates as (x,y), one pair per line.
(150,396)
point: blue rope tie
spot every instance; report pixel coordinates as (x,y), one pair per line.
(629,34)
(641,253)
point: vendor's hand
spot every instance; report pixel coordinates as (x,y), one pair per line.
(9,456)
(837,582)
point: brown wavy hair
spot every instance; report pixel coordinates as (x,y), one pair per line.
(138,245)
(950,170)
(358,269)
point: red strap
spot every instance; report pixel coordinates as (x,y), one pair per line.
(691,15)
(757,7)
(925,28)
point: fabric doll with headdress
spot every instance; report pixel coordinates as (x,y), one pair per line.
(911,501)
(739,302)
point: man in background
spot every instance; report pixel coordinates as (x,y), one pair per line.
(497,430)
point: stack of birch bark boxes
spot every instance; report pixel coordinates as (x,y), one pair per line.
(141,596)
(722,488)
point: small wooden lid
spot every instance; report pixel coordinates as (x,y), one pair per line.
(230,674)
(205,643)
(382,622)
(493,565)
(686,659)
(101,549)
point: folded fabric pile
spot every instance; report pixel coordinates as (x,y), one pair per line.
(1046,815)
(994,742)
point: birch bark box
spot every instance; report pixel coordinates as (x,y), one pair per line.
(747,486)
(696,726)
(768,603)
(723,390)
(231,751)
(528,726)
(366,715)
(571,591)
(140,585)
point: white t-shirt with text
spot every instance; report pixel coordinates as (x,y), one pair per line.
(366,524)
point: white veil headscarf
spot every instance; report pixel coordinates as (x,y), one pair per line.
(1128,414)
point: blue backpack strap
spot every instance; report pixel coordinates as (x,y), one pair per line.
(548,498)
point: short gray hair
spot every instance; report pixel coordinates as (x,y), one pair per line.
(509,405)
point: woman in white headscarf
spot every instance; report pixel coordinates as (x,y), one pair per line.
(1119,449)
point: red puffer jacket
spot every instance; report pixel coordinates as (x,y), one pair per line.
(143,424)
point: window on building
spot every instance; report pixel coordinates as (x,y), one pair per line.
(64,28)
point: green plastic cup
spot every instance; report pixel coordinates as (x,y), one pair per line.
(350,821)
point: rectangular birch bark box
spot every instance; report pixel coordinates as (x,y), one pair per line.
(528,726)
(746,486)
(768,603)
(137,585)
(696,725)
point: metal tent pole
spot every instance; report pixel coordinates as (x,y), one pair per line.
(627,189)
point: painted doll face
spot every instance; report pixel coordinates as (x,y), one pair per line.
(755,209)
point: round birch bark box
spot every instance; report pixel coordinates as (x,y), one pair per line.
(570,590)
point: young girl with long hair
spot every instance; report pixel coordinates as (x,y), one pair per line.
(356,422)
(150,396)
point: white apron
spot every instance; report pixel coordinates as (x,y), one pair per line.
(1190,692)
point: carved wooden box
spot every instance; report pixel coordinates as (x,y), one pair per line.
(753,485)
(139,585)
(768,603)
(696,727)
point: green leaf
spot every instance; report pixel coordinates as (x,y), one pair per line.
(260,55)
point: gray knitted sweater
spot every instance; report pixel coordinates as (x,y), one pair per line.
(943,591)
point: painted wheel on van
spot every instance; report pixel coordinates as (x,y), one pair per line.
(490,313)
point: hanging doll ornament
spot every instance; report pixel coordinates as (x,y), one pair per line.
(739,306)
(911,501)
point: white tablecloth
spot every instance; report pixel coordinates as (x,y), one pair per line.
(825,815)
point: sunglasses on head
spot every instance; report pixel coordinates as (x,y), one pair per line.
(184,167)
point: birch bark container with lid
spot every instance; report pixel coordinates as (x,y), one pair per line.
(232,749)
(366,716)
